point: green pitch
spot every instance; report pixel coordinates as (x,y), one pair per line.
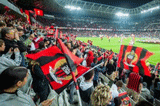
(114,44)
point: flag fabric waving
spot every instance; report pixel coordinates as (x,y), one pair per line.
(55,67)
(134,59)
(71,58)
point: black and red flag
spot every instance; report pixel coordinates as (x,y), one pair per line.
(55,67)
(125,99)
(134,59)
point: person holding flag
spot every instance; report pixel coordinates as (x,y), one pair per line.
(134,59)
(134,85)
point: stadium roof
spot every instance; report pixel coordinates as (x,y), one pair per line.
(122,3)
(57,6)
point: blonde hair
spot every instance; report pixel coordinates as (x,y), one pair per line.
(101,96)
(33,63)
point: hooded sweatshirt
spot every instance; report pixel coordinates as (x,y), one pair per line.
(16,99)
(6,61)
(86,88)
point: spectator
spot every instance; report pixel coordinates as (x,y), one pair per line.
(11,79)
(90,58)
(11,39)
(114,89)
(134,85)
(2,25)
(101,96)
(96,71)
(110,67)
(86,87)
(29,43)
(157,88)
(6,60)
(40,83)
(146,93)
(37,40)
(41,45)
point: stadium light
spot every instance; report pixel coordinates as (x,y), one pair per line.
(72,7)
(121,14)
(150,10)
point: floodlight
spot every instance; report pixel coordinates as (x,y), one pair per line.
(72,7)
(121,14)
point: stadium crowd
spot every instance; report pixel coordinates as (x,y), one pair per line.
(19,38)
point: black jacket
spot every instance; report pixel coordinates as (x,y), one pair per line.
(12,43)
(110,68)
(40,82)
(85,95)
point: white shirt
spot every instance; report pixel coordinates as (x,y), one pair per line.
(114,91)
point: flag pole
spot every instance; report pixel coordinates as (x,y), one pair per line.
(118,53)
(89,70)
(55,34)
(118,57)
(76,84)
(93,67)
(77,87)
(156,67)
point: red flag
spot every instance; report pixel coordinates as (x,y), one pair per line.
(134,59)
(55,67)
(28,16)
(73,60)
(125,99)
(56,36)
(38,12)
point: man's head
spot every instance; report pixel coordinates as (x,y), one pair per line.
(2,25)
(95,60)
(119,84)
(2,45)
(89,75)
(31,37)
(20,30)
(8,33)
(111,61)
(144,85)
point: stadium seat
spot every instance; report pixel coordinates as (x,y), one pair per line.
(157,102)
